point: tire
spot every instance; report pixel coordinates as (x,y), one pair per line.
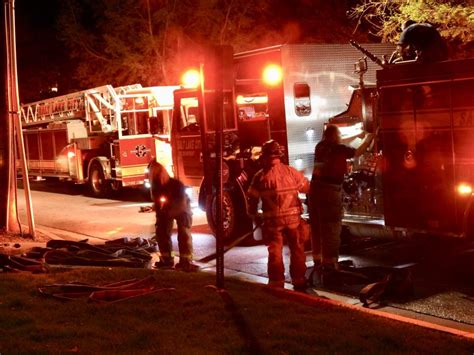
(98,185)
(236,223)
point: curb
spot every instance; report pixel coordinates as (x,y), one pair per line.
(318,301)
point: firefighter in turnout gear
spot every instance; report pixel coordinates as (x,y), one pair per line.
(277,186)
(171,203)
(423,42)
(325,197)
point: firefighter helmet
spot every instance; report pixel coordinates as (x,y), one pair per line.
(271,149)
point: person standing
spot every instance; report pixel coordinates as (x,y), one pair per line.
(171,203)
(277,186)
(325,196)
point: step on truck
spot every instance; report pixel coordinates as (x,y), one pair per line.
(104,136)
(287,93)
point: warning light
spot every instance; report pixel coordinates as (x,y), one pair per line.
(272,75)
(464,189)
(162,199)
(190,79)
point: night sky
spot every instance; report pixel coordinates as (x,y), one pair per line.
(42,57)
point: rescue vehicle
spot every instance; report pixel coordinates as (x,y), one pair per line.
(419,176)
(103,136)
(286,92)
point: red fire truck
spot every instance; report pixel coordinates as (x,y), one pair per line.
(287,93)
(417,177)
(103,136)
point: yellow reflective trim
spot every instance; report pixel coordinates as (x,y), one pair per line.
(134,170)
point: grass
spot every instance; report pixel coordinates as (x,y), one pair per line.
(194,320)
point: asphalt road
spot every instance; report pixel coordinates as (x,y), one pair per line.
(442,271)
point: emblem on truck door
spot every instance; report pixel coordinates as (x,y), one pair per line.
(140,150)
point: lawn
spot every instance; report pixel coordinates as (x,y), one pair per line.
(194,319)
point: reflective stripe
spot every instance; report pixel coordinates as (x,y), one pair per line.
(287,212)
(273,192)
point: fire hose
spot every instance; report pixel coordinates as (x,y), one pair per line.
(230,246)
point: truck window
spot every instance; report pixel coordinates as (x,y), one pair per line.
(189,115)
(302,95)
(251,107)
(159,123)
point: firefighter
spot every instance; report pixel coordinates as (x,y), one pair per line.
(422,42)
(171,203)
(325,196)
(277,186)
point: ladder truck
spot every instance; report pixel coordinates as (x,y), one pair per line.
(104,136)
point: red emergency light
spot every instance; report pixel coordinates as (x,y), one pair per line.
(272,75)
(190,79)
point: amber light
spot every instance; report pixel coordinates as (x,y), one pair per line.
(190,79)
(272,75)
(464,189)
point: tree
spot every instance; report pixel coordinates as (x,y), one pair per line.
(454,19)
(151,41)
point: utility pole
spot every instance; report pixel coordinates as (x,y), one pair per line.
(15,127)
(4,147)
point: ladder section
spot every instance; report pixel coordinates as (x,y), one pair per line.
(99,107)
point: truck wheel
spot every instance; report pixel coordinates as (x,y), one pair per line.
(229,215)
(98,185)
(236,221)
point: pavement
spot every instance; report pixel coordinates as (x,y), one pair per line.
(403,314)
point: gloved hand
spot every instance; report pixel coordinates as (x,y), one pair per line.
(258,219)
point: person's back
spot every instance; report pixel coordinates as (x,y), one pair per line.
(278,188)
(331,161)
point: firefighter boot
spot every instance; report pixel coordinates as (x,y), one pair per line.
(186,265)
(164,263)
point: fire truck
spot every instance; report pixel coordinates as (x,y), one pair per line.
(104,136)
(417,177)
(285,92)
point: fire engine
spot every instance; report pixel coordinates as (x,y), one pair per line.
(417,177)
(287,93)
(103,136)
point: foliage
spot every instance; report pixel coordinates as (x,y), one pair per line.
(152,41)
(453,19)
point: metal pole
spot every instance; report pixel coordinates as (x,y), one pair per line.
(11,212)
(219,117)
(14,109)
(4,138)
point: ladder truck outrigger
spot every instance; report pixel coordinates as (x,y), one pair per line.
(104,136)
